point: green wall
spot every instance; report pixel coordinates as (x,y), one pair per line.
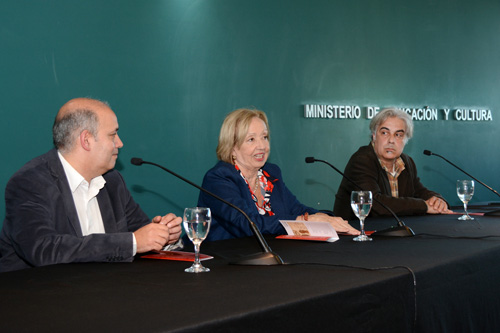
(173,69)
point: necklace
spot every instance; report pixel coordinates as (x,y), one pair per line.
(256,186)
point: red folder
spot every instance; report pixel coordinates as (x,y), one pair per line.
(175,255)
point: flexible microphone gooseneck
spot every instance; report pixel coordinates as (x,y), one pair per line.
(495,212)
(429,153)
(400,231)
(268,257)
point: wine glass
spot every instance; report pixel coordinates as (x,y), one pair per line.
(361,203)
(465,191)
(196,222)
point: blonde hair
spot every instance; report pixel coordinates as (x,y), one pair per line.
(234,130)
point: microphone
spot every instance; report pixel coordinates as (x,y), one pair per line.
(495,212)
(267,257)
(400,231)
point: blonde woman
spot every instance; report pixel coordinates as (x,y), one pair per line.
(243,177)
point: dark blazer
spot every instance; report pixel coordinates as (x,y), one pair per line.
(365,170)
(41,225)
(225,181)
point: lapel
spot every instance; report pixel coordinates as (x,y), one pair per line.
(108,218)
(57,171)
(381,172)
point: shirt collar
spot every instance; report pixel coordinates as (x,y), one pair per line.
(75,179)
(399,165)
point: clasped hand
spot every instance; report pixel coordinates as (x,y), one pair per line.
(161,231)
(437,205)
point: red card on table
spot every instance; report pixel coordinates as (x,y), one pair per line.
(462,213)
(318,238)
(309,238)
(367,232)
(175,255)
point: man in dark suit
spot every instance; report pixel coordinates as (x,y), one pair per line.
(69,205)
(391,175)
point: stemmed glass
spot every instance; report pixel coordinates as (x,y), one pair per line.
(361,203)
(465,191)
(196,222)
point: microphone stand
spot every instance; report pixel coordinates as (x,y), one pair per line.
(402,230)
(491,213)
(267,257)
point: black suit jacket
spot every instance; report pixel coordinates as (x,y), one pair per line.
(41,225)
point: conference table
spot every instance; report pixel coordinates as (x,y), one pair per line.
(444,279)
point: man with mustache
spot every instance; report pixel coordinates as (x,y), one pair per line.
(70,205)
(391,175)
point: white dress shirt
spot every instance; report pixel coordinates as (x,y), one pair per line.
(85,199)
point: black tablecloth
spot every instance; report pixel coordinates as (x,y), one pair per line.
(335,287)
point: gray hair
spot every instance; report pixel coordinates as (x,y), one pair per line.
(66,129)
(390,113)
